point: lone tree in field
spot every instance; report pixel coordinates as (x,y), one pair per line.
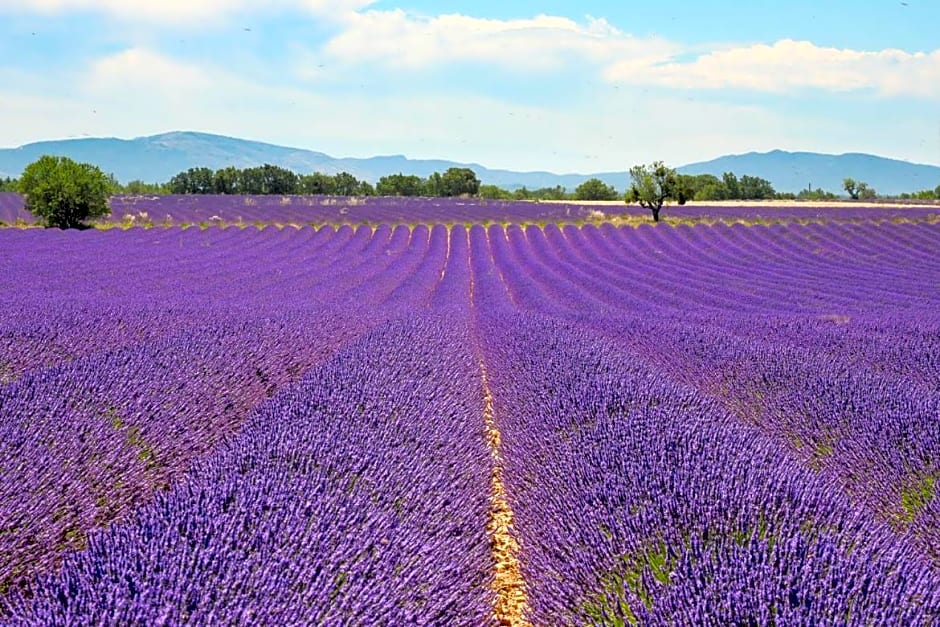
(595,189)
(64,193)
(651,185)
(858,190)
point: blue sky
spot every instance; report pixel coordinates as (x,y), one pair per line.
(561,86)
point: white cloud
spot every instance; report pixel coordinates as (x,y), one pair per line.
(400,39)
(787,65)
(140,67)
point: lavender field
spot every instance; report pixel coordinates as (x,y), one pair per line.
(217,210)
(471,425)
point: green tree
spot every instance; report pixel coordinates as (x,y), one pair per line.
(699,186)
(201,180)
(365,188)
(850,187)
(251,181)
(434,185)
(459,182)
(268,179)
(924,194)
(550,193)
(732,186)
(8,185)
(277,180)
(316,183)
(755,188)
(865,192)
(493,192)
(651,185)
(140,188)
(114,186)
(345,184)
(400,185)
(815,194)
(226,180)
(702,187)
(595,189)
(858,190)
(192,181)
(65,193)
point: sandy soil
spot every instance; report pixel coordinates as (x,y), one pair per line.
(508,584)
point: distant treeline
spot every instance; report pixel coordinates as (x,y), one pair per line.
(272,179)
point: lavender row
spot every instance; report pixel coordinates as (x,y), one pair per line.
(828,400)
(594,299)
(359,495)
(737,269)
(82,443)
(851,394)
(637,499)
(115,382)
(209,209)
(176,210)
(70,294)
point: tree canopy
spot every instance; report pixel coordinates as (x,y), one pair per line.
(858,190)
(400,185)
(542,193)
(459,182)
(595,189)
(728,187)
(651,185)
(65,193)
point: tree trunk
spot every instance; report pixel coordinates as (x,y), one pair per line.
(655,211)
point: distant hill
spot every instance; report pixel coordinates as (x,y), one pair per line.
(793,171)
(159,157)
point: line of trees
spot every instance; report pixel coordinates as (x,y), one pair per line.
(924,194)
(453,182)
(729,187)
(272,179)
(265,179)
(66,193)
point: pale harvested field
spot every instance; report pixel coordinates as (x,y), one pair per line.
(759,203)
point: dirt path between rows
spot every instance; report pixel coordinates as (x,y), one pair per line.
(511,603)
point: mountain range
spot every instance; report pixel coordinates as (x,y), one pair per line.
(157,158)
